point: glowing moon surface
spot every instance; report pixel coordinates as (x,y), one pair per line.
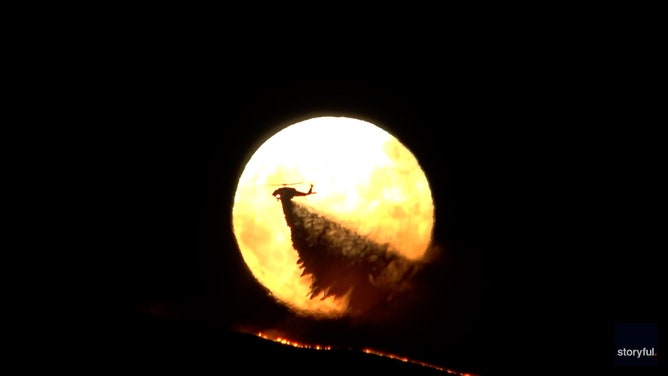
(364,178)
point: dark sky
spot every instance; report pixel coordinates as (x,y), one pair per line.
(541,163)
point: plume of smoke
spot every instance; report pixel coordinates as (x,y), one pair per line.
(342,262)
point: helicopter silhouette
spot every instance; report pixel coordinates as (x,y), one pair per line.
(289,192)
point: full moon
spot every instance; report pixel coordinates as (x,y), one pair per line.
(360,176)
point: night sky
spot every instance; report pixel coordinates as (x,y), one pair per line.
(541,163)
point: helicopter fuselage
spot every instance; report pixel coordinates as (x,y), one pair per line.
(288,193)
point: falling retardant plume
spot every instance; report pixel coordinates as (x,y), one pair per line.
(343,263)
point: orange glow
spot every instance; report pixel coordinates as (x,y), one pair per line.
(407,360)
(365,179)
(287,342)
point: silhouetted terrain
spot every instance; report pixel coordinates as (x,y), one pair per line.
(144,342)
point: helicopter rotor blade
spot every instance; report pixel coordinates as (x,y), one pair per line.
(285,184)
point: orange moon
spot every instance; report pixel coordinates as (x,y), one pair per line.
(363,177)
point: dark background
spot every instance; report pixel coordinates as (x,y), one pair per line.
(542,154)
